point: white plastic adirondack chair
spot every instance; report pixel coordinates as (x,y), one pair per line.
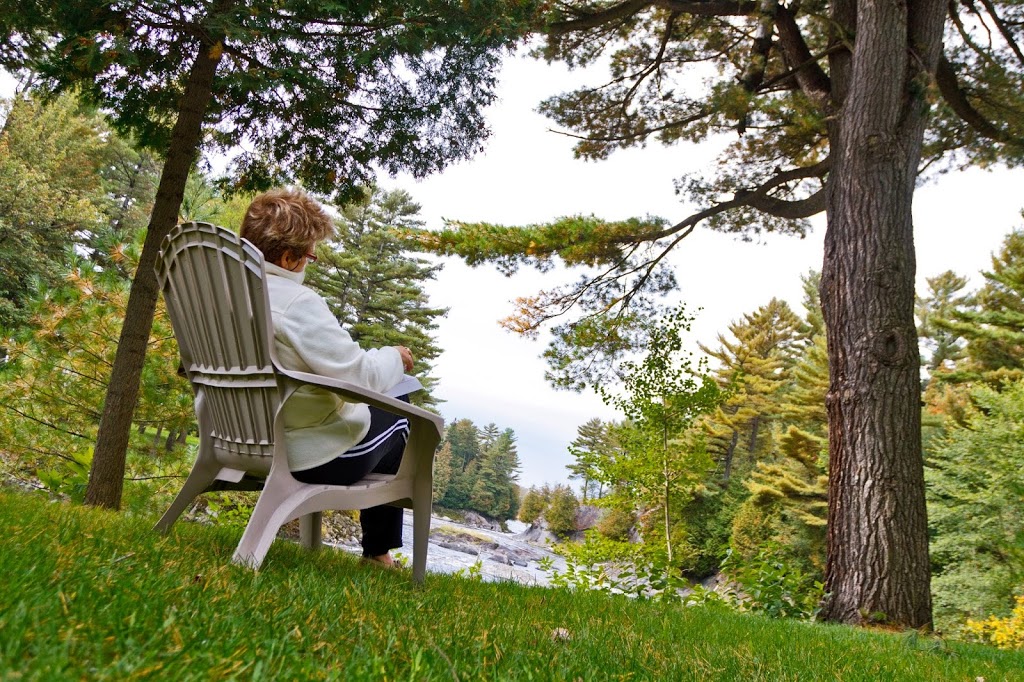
(214,286)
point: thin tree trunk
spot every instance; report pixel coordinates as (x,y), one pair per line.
(877,566)
(729,453)
(664,465)
(755,426)
(106,477)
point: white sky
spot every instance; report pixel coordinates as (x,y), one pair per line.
(527,174)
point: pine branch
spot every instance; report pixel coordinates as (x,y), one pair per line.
(760,200)
(46,423)
(949,87)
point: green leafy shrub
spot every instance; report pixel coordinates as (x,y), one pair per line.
(616,524)
(770,585)
(561,513)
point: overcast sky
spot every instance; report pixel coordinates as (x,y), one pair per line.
(528,174)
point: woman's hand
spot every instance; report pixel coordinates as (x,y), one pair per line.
(406,357)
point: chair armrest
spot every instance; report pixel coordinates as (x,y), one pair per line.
(360,394)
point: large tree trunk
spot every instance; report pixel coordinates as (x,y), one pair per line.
(106,477)
(877,566)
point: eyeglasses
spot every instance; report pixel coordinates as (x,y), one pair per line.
(311,257)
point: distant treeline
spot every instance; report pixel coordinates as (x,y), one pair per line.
(476,469)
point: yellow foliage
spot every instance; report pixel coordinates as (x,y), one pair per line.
(527,318)
(1005,633)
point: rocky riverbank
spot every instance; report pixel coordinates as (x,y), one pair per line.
(454,546)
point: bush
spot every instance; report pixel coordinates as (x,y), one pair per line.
(1005,633)
(774,587)
(616,524)
(533,506)
(561,513)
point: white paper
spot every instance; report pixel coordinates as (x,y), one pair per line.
(408,384)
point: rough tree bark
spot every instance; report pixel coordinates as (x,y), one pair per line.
(106,476)
(877,567)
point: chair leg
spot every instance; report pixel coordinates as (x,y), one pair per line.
(274,506)
(202,475)
(420,526)
(311,530)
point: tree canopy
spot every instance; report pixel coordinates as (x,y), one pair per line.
(318,93)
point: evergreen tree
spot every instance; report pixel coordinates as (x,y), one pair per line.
(788,487)
(494,492)
(130,175)
(508,467)
(373,286)
(534,504)
(484,466)
(561,512)
(49,162)
(975,490)
(56,374)
(943,301)
(756,363)
(591,446)
(945,396)
(442,472)
(489,436)
(788,503)
(993,330)
(201,201)
(460,487)
(463,439)
(803,402)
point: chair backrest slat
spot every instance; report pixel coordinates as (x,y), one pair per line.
(213,283)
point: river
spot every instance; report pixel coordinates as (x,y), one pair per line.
(500,556)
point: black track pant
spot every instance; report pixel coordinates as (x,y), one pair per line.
(379,452)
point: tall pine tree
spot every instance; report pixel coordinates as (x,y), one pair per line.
(993,329)
(591,446)
(373,286)
(755,362)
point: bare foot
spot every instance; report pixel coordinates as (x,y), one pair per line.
(384,559)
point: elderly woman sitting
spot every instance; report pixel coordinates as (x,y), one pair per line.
(329,440)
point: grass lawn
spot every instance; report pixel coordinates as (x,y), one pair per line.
(91,595)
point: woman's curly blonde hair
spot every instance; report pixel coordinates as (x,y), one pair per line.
(285,221)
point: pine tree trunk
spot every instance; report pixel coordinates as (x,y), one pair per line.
(877,566)
(755,426)
(106,477)
(172,438)
(730,453)
(156,439)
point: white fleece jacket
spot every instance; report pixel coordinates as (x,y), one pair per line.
(319,426)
